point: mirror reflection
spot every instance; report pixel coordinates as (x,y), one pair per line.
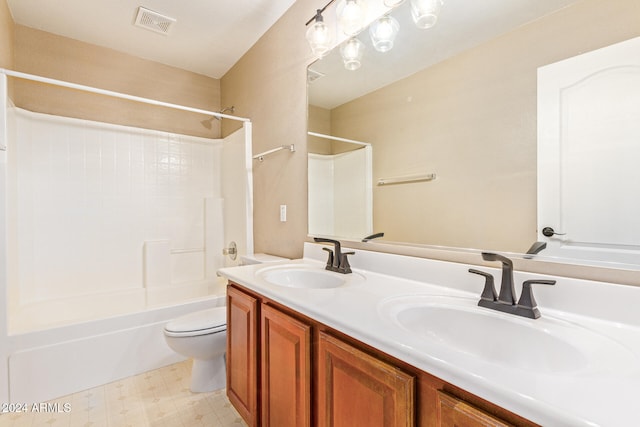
(457,101)
(339,187)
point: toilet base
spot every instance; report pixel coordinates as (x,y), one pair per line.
(208,375)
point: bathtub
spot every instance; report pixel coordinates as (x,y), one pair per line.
(112,336)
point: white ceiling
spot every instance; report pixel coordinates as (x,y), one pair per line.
(208,37)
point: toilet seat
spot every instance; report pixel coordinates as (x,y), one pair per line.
(203,322)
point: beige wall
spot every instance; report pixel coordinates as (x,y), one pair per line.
(269,85)
(472,121)
(45,54)
(319,121)
(6,36)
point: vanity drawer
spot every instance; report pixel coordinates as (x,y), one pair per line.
(457,412)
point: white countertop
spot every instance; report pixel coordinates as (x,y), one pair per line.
(601,391)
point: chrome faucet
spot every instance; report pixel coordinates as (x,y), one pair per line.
(505,301)
(337,260)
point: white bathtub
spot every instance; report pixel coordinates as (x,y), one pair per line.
(53,355)
(51,313)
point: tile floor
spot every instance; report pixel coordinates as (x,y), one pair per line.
(159,398)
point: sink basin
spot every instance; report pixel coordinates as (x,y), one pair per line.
(546,345)
(302,277)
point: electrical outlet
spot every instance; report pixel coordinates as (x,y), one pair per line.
(283,213)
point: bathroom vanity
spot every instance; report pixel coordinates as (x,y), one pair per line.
(292,352)
(401,342)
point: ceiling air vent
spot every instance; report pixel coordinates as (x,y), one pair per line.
(313,75)
(153,21)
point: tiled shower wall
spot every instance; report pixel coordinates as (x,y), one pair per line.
(340,194)
(84,197)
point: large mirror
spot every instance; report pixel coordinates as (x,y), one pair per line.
(450,114)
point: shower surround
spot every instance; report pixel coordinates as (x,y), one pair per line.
(109,231)
(97,209)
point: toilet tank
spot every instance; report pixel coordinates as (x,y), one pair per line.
(260,259)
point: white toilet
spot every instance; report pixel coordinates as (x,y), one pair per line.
(202,336)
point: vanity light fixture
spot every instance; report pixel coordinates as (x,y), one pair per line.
(351,16)
(319,35)
(425,12)
(351,52)
(383,32)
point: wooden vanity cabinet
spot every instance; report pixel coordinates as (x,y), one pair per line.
(268,363)
(357,389)
(287,370)
(242,354)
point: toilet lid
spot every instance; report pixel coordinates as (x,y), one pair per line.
(200,322)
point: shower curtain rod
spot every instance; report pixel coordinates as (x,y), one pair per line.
(336,138)
(90,89)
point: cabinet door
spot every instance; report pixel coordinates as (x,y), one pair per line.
(242,354)
(285,370)
(356,389)
(458,413)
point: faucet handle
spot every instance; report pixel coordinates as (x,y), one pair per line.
(345,268)
(489,292)
(329,259)
(527,304)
